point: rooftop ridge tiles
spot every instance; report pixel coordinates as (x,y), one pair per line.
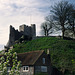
(32,51)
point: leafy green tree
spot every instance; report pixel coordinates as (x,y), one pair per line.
(6,59)
(60,12)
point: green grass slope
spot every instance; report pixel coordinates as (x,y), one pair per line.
(62,51)
(44,43)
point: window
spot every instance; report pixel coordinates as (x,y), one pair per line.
(25,68)
(43,68)
(9,69)
(43,60)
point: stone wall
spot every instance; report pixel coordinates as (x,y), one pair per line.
(14,35)
(27,31)
(30,72)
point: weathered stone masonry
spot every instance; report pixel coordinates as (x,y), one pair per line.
(27,31)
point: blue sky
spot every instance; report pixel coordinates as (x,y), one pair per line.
(18,12)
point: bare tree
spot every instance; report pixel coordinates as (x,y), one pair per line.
(71,21)
(60,12)
(47,27)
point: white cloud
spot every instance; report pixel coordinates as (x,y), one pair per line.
(17,12)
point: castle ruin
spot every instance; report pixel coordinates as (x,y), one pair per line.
(29,32)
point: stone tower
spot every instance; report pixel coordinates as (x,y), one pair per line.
(13,36)
(29,32)
(33,27)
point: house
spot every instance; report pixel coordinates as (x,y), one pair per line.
(35,62)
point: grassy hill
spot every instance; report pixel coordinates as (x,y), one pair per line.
(62,51)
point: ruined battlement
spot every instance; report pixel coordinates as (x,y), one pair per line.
(27,31)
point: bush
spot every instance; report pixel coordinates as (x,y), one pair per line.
(62,51)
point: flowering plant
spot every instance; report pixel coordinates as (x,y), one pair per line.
(5,62)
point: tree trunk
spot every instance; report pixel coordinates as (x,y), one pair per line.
(63,30)
(62,34)
(73,27)
(47,32)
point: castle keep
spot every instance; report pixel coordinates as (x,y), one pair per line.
(28,32)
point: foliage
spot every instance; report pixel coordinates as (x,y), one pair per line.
(44,43)
(62,51)
(71,19)
(6,59)
(60,12)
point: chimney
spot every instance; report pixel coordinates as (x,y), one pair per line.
(48,53)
